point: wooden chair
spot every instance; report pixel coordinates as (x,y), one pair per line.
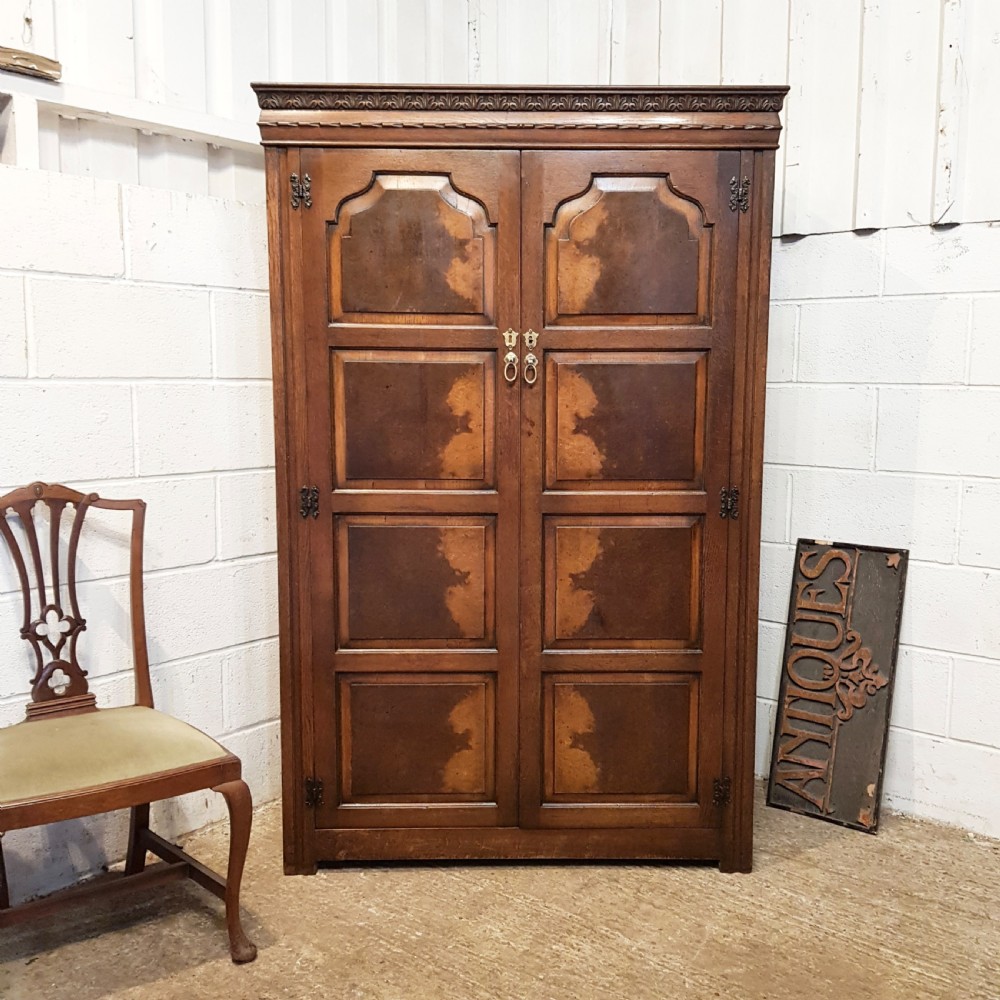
(69,759)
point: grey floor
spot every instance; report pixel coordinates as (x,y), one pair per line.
(913,912)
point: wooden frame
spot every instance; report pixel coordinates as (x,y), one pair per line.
(221,773)
(297,117)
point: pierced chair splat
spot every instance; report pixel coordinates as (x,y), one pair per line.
(119,757)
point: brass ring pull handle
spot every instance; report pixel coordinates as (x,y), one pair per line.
(530,361)
(510,358)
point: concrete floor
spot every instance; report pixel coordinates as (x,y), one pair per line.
(913,913)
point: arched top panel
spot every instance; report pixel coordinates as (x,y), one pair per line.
(629,247)
(412,248)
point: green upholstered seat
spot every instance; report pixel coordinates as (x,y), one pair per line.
(76,752)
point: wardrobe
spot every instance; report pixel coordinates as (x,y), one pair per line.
(519,352)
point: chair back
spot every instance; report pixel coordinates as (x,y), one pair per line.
(52,621)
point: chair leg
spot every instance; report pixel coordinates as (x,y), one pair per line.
(4,894)
(135,860)
(237,796)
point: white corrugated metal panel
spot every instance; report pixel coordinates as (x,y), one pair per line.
(635,42)
(353,41)
(822,120)
(484,41)
(523,41)
(97,52)
(755,50)
(98,149)
(968,139)
(579,41)
(896,135)
(890,121)
(690,41)
(28,26)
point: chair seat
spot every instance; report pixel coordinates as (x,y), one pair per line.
(76,752)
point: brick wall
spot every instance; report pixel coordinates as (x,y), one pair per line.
(135,361)
(883,427)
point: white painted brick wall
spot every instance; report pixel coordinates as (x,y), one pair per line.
(241,322)
(883,428)
(13,336)
(809,425)
(118,329)
(984,366)
(135,361)
(195,240)
(65,431)
(56,222)
(141,339)
(200,428)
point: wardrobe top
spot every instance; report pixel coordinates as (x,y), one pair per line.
(334,114)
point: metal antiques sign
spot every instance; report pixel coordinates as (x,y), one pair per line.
(836,681)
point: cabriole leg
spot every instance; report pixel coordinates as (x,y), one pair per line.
(237,796)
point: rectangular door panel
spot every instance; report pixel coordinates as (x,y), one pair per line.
(622,582)
(629,260)
(587,760)
(411,581)
(426,738)
(624,420)
(409,274)
(379,397)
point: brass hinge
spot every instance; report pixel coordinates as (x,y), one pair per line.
(739,195)
(722,791)
(314,793)
(301,191)
(729,502)
(309,501)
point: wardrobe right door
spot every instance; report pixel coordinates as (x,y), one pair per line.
(628,298)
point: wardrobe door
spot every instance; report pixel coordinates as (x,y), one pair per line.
(408,277)
(629,263)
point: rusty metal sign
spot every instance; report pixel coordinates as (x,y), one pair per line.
(836,681)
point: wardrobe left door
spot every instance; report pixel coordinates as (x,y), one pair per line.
(409,276)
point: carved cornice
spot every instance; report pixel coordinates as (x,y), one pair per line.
(305,97)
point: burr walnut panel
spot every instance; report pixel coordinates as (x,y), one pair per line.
(416,737)
(413,419)
(631,420)
(586,757)
(622,582)
(415,581)
(412,246)
(628,249)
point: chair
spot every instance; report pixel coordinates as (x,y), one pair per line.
(69,759)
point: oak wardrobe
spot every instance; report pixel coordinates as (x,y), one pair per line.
(519,350)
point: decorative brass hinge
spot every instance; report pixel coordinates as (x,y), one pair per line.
(729,502)
(301,191)
(739,195)
(314,793)
(722,791)
(309,501)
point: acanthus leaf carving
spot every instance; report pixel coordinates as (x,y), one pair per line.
(298,98)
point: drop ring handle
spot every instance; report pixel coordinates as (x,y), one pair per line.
(530,361)
(510,358)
